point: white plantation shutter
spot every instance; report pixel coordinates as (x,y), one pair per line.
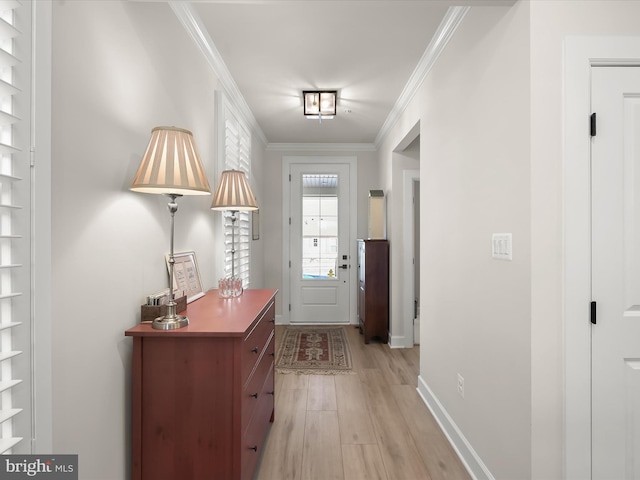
(15,227)
(237,156)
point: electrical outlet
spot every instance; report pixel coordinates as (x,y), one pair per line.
(461,385)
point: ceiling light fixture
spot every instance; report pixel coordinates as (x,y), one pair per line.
(320,104)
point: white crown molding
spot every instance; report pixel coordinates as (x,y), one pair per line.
(446,29)
(322,147)
(194,26)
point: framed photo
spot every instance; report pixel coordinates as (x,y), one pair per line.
(186,277)
(255,225)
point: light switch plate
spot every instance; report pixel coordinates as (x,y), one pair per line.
(501,246)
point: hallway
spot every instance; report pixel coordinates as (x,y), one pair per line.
(370,425)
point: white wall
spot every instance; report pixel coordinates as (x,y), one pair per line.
(119,69)
(259,188)
(42,295)
(475,182)
(473,110)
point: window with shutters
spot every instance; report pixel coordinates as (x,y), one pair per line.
(237,156)
(15,227)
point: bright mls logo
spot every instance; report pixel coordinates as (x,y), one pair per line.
(50,467)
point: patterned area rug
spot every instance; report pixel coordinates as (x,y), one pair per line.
(314,350)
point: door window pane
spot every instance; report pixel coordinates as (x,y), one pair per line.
(319,226)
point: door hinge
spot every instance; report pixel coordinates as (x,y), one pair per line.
(593,313)
(593,124)
(289,220)
(289,307)
(289,263)
(289,177)
(32,157)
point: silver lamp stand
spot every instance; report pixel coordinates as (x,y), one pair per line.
(233,243)
(171,321)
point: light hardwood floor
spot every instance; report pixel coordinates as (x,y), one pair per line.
(370,425)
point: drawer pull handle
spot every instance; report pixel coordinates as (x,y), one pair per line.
(254,350)
(273,354)
(254,448)
(273,320)
(271,393)
(254,395)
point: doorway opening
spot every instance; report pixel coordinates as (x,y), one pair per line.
(407,158)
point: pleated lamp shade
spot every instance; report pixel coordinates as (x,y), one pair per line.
(171,164)
(234,192)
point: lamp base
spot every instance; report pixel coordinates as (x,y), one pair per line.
(166,323)
(170,323)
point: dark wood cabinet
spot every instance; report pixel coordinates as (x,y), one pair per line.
(373,289)
(203,395)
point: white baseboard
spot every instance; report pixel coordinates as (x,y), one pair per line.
(470,459)
(396,341)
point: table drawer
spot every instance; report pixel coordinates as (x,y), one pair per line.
(255,342)
(256,388)
(253,439)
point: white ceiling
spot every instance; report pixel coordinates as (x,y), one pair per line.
(367,50)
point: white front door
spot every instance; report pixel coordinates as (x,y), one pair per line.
(615,354)
(319,237)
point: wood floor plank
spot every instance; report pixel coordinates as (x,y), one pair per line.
(321,434)
(293,381)
(277,382)
(441,460)
(391,365)
(412,357)
(282,457)
(322,393)
(363,462)
(360,353)
(403,370)
(353,412)
(398,450)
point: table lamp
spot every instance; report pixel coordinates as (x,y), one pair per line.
(234,194)
(171,166)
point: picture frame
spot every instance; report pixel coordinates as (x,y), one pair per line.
(186,276)
(255,225)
